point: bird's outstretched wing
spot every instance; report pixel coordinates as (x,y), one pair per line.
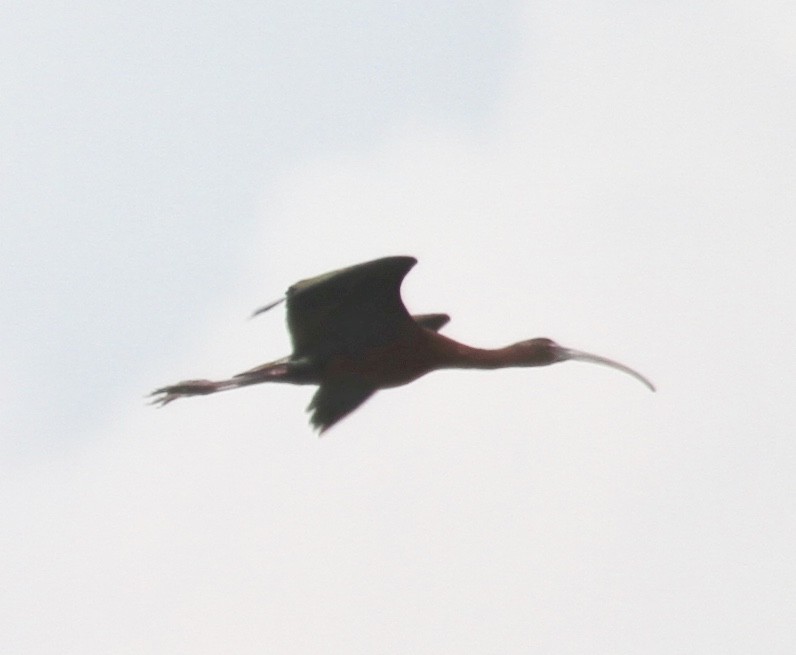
(348,311)
(434,322)
(334,401)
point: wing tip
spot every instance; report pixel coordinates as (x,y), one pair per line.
(402,262)
(265,308)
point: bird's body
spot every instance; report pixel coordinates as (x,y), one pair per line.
(352,336)
(396,363)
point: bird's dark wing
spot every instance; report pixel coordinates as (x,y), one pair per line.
(433,322)
(334,401)
(348,311)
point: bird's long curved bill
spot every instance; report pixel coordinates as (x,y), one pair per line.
(580,356)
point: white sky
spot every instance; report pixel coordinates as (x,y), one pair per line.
(619,178)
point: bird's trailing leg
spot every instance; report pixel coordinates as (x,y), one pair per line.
(279,371)
(165,395)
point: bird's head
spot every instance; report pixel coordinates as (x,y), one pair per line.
(543,352)
(539,352)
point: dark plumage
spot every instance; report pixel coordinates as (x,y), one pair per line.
(352,335)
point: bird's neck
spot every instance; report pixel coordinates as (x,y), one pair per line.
(459,355)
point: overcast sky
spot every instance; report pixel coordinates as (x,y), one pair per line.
(617,177)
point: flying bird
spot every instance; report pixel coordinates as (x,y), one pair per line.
(352,335)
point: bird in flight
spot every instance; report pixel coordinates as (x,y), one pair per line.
(352,335)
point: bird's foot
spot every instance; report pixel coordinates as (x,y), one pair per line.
(165,395)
